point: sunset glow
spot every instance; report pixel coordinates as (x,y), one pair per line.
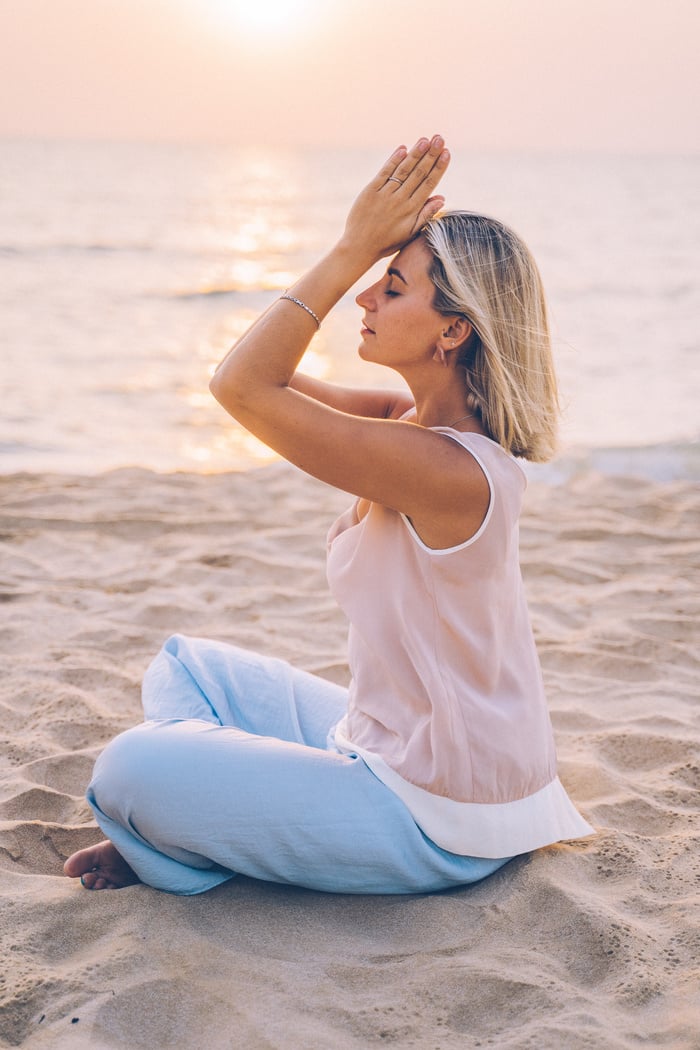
(489,75)
(268,18)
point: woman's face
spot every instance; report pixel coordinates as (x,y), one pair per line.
(400,325)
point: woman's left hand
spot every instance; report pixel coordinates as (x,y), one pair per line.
(398,201)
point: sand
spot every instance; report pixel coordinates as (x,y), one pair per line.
(582,945)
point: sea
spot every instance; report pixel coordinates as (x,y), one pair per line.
(127,270)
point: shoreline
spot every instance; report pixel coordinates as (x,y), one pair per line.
(665,461)
(582,945)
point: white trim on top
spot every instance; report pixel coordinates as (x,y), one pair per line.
(480,829)
(487,517)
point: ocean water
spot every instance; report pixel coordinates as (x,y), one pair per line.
(127,270)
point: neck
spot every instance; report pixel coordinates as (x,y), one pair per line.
(440,397)
(435,410)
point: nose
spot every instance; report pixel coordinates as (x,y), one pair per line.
(367,299)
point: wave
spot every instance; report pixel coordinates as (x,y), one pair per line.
(221,290)
(667,461)
(664,463)
(67,248)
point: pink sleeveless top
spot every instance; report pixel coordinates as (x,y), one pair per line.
(446,701)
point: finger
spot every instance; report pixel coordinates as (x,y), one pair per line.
(411,159)
(431,177)
(430,210)
(431,159)
(389,167)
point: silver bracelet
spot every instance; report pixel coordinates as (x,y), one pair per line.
(308,309)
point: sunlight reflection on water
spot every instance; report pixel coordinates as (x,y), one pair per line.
(126,273)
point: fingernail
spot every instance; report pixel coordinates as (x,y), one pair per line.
(422,143)
(437,140)
(445,155)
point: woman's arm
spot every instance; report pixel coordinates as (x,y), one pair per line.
(399,464)
(375,404)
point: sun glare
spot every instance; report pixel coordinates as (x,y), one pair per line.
(256,17)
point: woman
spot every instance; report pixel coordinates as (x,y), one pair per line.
(437,766)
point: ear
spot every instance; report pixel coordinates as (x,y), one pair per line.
(456,332)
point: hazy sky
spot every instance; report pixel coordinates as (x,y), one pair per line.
(617,75)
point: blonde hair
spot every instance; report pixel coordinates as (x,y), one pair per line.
(484,272)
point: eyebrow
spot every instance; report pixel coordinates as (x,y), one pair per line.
(393,272)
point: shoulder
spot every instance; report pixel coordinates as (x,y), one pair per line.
(498,465)
(466,493)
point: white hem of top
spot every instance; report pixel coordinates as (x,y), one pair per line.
(481,829)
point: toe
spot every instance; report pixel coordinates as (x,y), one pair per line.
(83,861)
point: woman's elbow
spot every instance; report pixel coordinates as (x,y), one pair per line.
(223,388)
(215,385)
(242,389)
(240,395)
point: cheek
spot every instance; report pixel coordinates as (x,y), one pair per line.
(421,327)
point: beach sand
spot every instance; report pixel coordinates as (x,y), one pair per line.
(592,944)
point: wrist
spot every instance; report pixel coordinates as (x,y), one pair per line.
(352,259)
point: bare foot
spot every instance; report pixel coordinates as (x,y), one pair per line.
(100,867)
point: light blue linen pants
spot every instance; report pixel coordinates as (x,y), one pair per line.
(233,772)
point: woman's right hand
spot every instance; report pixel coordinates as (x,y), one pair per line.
(398,201)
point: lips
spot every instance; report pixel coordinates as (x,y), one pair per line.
(366,328)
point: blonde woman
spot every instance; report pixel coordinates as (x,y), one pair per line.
(437,765)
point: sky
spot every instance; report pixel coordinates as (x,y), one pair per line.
(537,75)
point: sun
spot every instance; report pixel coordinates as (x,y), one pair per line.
(258,17)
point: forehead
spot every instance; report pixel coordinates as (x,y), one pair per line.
(414,262)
